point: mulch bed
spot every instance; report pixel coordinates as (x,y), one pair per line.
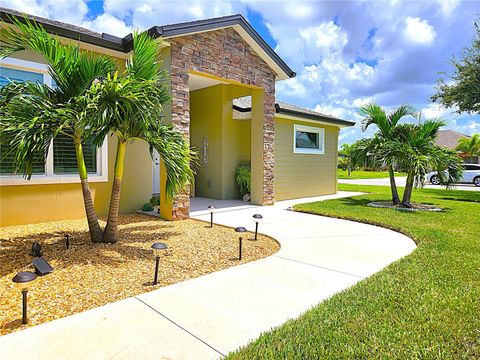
(415,207)
(90,275)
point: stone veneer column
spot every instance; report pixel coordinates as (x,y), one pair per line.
(222,53)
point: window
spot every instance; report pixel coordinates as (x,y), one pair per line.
(65,159)
(7,158)
(308,140)
(60,165)
(472,167)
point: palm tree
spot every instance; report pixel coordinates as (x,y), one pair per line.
(346,150)
(33,114)
(386,123)
(470,146)
(415,150)
(130,106)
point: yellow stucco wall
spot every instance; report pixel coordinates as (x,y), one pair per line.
(22,204)
(228,141)
(26,204)
(303,175)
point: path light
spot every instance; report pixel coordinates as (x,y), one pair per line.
(257,218)
(211,208)
(67,241)
(240,229)
(24,280)
(157,248)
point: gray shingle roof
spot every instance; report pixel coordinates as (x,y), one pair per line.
(449,138)
(244,105)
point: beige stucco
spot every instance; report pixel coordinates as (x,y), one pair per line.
(303,175)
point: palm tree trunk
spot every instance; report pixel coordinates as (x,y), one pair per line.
(393,186)
(92,219)
(110,234)
(407,194)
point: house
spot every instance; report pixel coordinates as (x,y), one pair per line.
(222,80)
(449,139)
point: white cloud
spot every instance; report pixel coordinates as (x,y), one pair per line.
(326,36)
(419,31)
(447,7)
(436,111)
(108,24)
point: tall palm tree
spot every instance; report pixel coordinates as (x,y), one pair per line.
(415,150)
(130,106)
(386,123)
(33,114)
(470,146)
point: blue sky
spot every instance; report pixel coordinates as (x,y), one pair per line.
(346,53)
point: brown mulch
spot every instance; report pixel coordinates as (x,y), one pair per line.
(90,275)
(414,206)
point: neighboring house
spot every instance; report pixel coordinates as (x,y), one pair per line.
(449,139)
(222,79)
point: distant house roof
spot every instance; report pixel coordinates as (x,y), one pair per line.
(449,138)
(243,106)
(124,44)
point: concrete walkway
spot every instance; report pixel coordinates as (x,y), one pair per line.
(400,181)
(207,317)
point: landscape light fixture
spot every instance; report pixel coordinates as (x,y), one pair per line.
(67,241)
(257,218)
(157,248)
(23,280)
(211,208)
(240,230)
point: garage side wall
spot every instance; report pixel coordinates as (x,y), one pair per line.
(303,175)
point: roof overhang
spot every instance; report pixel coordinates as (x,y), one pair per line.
(236,22)
(125,44)
(309,116)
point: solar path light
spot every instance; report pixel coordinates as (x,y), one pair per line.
(23,280)
(257,218)
(67,241)
(157,248)
(211,208)
(240,230)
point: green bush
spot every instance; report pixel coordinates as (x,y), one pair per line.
(155,201)
(147,207)
(243,178)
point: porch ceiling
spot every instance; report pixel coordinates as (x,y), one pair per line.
(196,82)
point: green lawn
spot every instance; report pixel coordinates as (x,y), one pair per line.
(360,174)
(426,305)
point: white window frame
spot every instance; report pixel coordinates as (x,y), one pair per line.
(321,139)
(50,177)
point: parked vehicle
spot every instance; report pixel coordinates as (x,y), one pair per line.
(471,175)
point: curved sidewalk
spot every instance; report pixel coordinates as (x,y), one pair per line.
(206,317)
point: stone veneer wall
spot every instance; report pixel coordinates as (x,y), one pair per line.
(225,54)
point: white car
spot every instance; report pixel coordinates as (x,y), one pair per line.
(471,175)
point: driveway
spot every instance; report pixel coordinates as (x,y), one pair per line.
(401,183)
(207,317)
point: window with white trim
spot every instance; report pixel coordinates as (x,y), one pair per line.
(60,165)
(308,140)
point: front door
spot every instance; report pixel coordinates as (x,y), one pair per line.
(156,173)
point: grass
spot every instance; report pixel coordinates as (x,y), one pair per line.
(361,174)
(426,305)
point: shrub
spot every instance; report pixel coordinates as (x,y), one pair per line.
(243,177)
(147,207)
(155,201)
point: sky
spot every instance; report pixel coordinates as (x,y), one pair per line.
(345,53)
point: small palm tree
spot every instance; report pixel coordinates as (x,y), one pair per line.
(416,152)
(470,146)
(131,106)
(346,150)
(386,123)
(32,114)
